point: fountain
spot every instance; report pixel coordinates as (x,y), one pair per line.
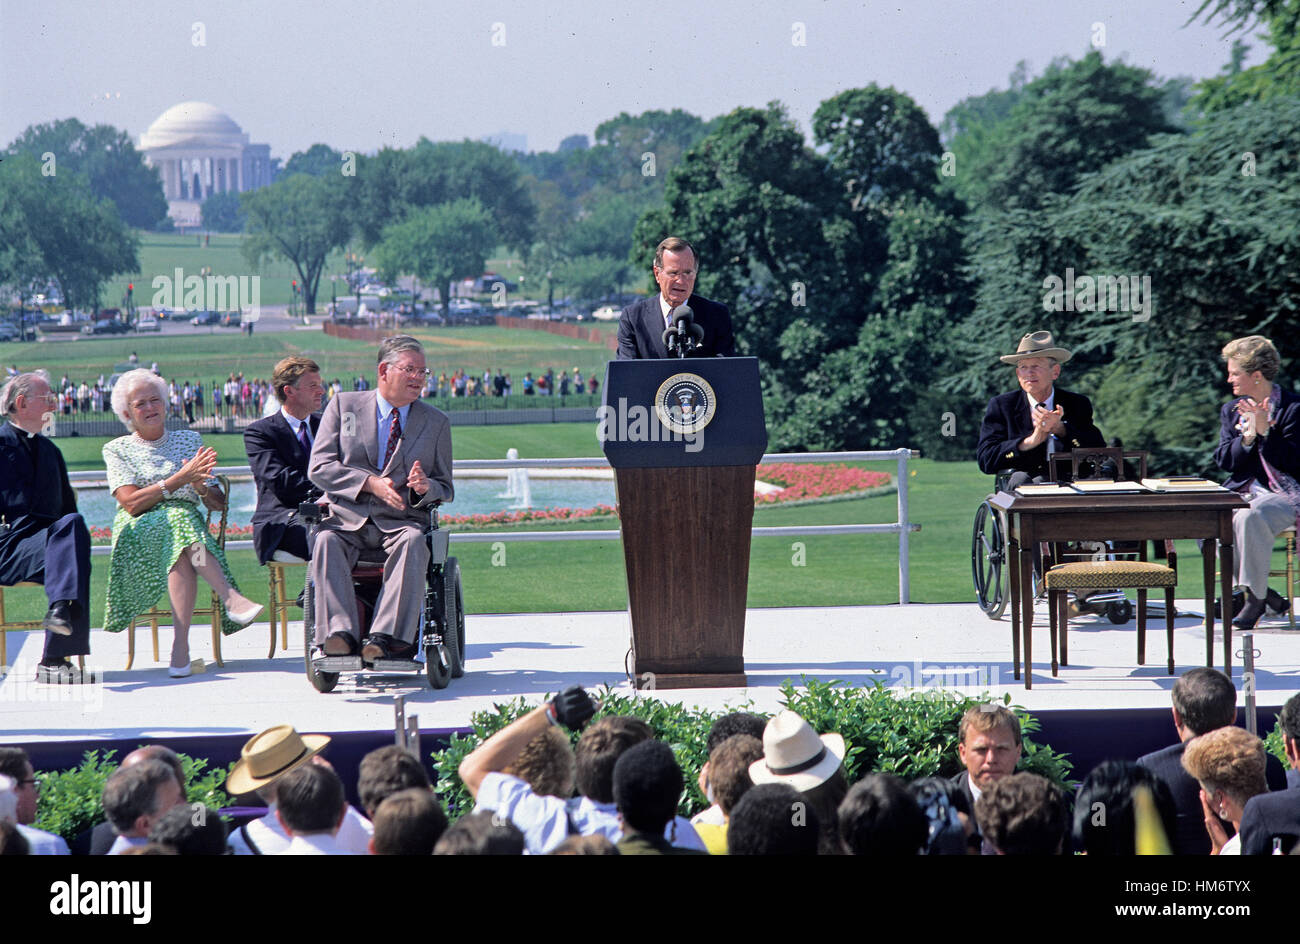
(517,484)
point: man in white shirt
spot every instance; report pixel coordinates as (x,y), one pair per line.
(546,821)
(312,810)
(264,760)
(25,792)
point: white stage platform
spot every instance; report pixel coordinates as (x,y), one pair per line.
(917,646)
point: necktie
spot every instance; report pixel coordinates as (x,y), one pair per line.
(394,434)
(304,437)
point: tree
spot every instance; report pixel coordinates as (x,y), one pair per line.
(1276,77)
(301,219)
(1077,117)
(319,160)
(222,213)
(394,183)
(111,165)
(440,244)
(55,227)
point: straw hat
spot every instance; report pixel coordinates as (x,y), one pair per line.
(1037,344)
(794,754)
(270,755)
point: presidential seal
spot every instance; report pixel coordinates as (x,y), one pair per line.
(685,403)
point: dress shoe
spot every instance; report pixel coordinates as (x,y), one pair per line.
(1250,613)
(246,616)
(340,644)
(1276,603)
(59,618)
(183,671)
(62,672)
(376,646)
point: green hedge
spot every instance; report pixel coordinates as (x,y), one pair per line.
(70,801)
(912,735)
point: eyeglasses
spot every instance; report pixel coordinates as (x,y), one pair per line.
(34,781)
(414,371)
(676,273)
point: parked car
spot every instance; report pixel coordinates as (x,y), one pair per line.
(147,323)
(8,332)
(230,319)
(202,318)
(106,327)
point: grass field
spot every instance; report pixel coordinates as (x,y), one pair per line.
(205,356)
(163,253)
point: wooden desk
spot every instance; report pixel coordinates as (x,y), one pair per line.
(1140,517)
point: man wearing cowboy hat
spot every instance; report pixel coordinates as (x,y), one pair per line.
(1023,428)
(263,760)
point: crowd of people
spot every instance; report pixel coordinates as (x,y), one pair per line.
(775,787)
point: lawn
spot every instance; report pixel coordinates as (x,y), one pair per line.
(204,356)
(163,253)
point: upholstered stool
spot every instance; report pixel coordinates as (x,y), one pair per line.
(278,601)
(1118,575)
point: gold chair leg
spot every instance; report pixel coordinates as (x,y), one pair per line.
(130,646)
(216,631)
(153,627)
(1290,579)
(270,605)
(284,612)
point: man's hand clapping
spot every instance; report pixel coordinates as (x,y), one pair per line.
(383,490)
(417,480)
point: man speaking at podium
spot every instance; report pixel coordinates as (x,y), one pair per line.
(644,327)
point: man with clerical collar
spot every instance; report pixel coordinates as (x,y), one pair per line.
(43,539)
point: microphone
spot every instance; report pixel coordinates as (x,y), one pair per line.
(683,334)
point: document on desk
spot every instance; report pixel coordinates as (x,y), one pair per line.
(1109,488)
(1183,484)
(1037,490)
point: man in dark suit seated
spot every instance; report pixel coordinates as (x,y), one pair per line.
(1204,701)
(642,326)
(43,539)
(278,448)
(1275,817)
(1023,428)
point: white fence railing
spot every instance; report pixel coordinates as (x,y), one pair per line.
(903,527)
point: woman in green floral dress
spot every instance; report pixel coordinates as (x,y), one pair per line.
(160,539)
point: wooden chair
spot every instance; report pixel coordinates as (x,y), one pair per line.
(156,614)
(278,602)
(1119,575)
(1288,572)
(7,624)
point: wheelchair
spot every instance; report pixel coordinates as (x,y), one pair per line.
(990,559)
(442,630)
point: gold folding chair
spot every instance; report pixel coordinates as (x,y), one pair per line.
(156,614)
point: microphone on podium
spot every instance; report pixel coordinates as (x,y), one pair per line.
(683,334)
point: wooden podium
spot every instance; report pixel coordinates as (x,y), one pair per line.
(684,437)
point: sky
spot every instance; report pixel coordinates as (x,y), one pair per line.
(361,76)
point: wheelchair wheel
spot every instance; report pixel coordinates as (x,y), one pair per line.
(1119,613)
(437,655)
(988,558)
(453,635)
(321,681)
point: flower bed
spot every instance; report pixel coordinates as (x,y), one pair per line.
(800,482)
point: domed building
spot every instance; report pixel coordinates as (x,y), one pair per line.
(199,150)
